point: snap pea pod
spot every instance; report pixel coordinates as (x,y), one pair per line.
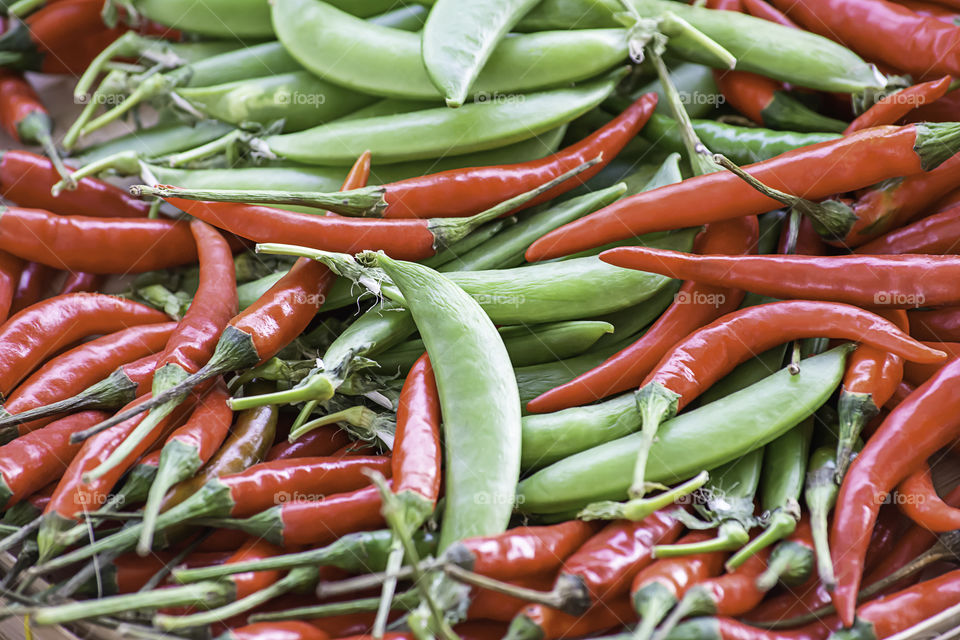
(409,18)
(791,55)
(389,63)
(700,439)
(527,345)
(474,127)
(571,14)
(478,399)
(390,107)
(155,141)
(693,81)
(448,258)
(459,37)
(298,98)
(784,470)
(728,505)
(746,144)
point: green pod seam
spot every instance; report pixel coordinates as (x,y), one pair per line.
(474,127)
(700,439)
(478,399)
(223,18)
(389,62)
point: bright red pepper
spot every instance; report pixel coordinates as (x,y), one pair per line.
(25,118)
(491,605)
(892,614)
(931,9)
(36,333)
(917,374)
(926,421)
(815,172)
(282,630)
(762,9)
(893,107)
(323,441)
(898,281)
(721,628)
(80,282)
(696,304)
(536,622)
(32,286)
(10,268)
(938,234)
(924,506)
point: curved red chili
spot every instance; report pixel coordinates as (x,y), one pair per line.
(323,441)
(30,463)
(922,504)
(722,628)
(319,522)
(938,234)
(26,179)
(417,458)
(10,269)
(80,282)
(938,11)
(95,245)
(32,286)
(522,551)
(732,594)
(926,421)
(281,630)
(898,281)
(74,371)
(927,46)
(34,334)
(892,108)
(762,9)
(695,305)
(24,117)
(815,172)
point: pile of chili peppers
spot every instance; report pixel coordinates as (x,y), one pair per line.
(522,319)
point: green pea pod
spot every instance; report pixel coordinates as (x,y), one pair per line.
(459,37)
(410,18)
(743,145)
(222,18)
(298,98)
(448,258)
(784,469)
(791,55)
(478,399)
(389,62)
(571,14)
(695,84)
(390,107)
(474,127)
(700,439)
(527,345)
(255,61)
(155,141)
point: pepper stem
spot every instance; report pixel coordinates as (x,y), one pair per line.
(178,461)
(317,388)
(832,219)
(155,85)
(385,603)
(360,417)
(126,46)
(404,602)
(125,162)
(656,403)
(113,84)
(731,535)
(652,602)
(696,601)
(206,150)
(639,509)
(790,563)
(781,525)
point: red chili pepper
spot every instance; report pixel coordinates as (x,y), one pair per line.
(38,332)
(939,325)
(904,389)
(72,372)
(10,269)
(31,287)
(29,463)
(872,378)
(661,585)
(929,47)
(926,421)
(26,179)
(416,459)
(696,304)
(536,622)
(923,504)
(95,245)
(889,615)
(490,605)
(761,9)
(25,118)
(323,441)
(129,573)
(808,241)
(80,282)
(871,281)
(893,107)
(45,36)
(938,234)
(937,11)
(284,630)
(721,628)
(891,205)
(815,172)
(522,551)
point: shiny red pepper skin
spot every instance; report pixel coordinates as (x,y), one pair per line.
(924,506)
(696,304)
(207,428)
(10,268)
(281,630)
(129,573)
(937,11)
(815,172)
(80,282)
(31,462)
(524,551)
(490,605)
(892,108)
(928,47)
(938,234)
(322,522)
(250,582)
(36,333)
(722,628)
(923,423)
(32,286)
(678,575)
(939,325)
(462,192)
(324,441)
(70,373)
(18,102)
(762,9)
(896,281)
(891,614)
(26,179)
(736,593)
(417,458)
(551,623)
(95,245)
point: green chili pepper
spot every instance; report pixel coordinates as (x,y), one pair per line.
(792,55)
(389,62)
(784,468)
(474,127)
(478,398)
(526,344)
(700,439)
(743,145)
